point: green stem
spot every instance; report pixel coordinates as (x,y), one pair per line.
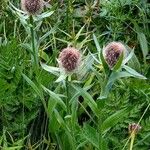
(103,87)
(100,104)
(68,5)
(100,131)
(34,50)
(67,96)
(68,113)
(132,140)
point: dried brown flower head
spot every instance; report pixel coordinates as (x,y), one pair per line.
(134,128)
(112,53)
(69,59)
(32,7)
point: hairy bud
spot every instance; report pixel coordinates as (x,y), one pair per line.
(112,53)
(69,59)
(134,128)
(32,7)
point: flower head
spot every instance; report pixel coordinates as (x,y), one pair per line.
(113,52)
(134,128)
(32,7)
(69,59)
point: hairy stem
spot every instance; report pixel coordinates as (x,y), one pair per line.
(100,131)
(34,51)
(67,95)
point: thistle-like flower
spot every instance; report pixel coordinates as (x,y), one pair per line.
(112,53)
(134,128)
(69,59)
(32,7)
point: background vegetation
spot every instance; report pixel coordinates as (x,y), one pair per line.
(38,113)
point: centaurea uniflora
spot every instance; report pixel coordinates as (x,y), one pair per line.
(32,7)
(133,130)
(112,53)
(69,59)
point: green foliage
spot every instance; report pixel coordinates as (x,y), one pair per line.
(43,108)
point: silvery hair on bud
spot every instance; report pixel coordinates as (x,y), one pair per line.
(32,7)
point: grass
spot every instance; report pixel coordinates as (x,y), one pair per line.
(42,107)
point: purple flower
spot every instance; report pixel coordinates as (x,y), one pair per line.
(134,128)
(32,7)
(69,59)
(112,53)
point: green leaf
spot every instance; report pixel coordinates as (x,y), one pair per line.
(88,98)
(38,91)
(51,105)
(117,75)
(96,43)
(13,148)
(97,46)
(79,33)
(74,109)
(62,77)
(105,91)
(80,45)
(105,65)
(114,119)
(27,46)
(143,44)
(43,15)
(128,57)
(55,97)
(91,135)
(14,8)
(48,33)
(51,69)
(133,72)
(60,120)
(119,63)
(44,56)
(32,84)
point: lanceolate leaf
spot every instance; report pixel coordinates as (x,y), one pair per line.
(133,72)
(97,46)
(48,33)
(51,69)
(117,75)
(55,97)
(38,91)
(119,63)
(43,15)
(114,119)
(88,98)
(143,44)
(105,65)
(91,135)
(96,43)
(62,77)
(34,86)
(128,57)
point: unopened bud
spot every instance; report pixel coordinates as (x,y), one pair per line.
(134,128)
